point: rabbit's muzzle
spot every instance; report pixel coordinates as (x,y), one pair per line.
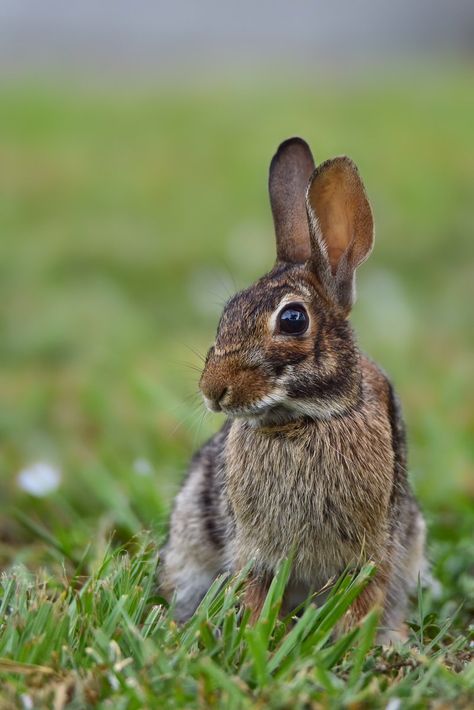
(233,388)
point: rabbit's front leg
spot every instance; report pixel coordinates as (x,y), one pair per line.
(256,589)
(374,596)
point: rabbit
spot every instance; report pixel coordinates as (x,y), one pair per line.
(311,459)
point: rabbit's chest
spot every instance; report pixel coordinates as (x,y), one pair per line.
(304,491)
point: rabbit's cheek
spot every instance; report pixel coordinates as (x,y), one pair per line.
(247,387)
(283,354)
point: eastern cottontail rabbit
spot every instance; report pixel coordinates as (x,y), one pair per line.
(312,456)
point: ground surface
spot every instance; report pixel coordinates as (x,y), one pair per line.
(125,223)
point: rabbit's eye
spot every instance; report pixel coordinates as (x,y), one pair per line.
(293,320)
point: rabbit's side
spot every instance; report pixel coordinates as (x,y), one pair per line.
(312,457)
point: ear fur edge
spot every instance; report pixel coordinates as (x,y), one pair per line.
(290,170)
(341,226)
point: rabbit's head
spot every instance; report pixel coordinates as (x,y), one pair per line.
(284,348)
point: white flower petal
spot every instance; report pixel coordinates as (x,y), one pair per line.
(142,467)
(26,701)
(39,479)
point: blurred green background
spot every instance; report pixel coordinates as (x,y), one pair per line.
(128,217)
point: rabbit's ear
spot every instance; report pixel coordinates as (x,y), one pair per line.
(290,170)
(341,226)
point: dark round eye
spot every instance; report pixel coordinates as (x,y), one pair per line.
(293,320)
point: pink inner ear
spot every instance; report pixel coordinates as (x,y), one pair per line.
(338,229)
(329,200)
(338,200)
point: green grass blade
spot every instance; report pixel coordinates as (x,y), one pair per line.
(366,636)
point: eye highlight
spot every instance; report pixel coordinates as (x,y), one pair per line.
(293,320)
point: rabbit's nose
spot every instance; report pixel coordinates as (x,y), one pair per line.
(214,394)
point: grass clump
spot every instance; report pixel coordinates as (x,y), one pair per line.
(106,640)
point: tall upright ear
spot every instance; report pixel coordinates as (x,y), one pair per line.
(290,170)
(341,226)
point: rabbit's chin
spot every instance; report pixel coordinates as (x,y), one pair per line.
(265,408)
(288,409)
(285,411)
(279,408)
(264,416)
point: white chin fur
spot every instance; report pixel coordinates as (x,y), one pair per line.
(259,408)
(316,410)
(278,407)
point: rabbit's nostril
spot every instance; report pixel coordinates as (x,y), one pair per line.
(214,394)
(218,397)
(222,394)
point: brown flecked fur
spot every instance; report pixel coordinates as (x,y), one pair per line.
(256,589)
(312,458)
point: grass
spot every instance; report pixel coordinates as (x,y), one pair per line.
(106,640)
(126,220)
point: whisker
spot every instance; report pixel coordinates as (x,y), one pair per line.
(195,352)
(191,398)
(232,277)
(190,365)
(191,413)
(204,414)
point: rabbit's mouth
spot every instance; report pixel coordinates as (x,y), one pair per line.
(256,410)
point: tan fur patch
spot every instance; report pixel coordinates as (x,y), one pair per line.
(256,589)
